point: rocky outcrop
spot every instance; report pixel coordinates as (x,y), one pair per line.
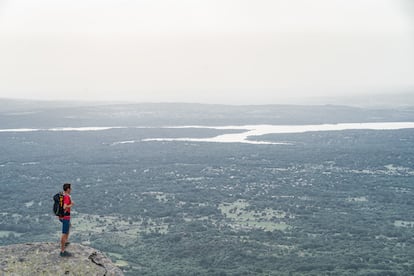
(44,259)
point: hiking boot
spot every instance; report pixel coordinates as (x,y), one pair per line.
(65,254)
(67,244)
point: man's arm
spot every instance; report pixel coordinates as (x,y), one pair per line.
(67,202)
(65,206)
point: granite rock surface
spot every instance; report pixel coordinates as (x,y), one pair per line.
(44,259)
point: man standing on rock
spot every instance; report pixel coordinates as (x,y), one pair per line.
(65,219)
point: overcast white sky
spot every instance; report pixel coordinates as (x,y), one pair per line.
(210,51)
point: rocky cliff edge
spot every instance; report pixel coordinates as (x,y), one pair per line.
(44,259)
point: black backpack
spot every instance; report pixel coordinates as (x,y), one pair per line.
(58,204)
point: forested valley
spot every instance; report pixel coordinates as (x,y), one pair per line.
(323,203)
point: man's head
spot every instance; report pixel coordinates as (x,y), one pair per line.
(66,187)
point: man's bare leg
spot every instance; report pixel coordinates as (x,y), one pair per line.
(63,240)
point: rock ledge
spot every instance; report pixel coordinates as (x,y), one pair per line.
(44,259)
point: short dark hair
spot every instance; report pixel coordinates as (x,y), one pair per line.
(66,186)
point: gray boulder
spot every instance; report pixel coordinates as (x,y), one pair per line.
(44,259)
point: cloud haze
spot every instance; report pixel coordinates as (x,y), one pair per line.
(213,51)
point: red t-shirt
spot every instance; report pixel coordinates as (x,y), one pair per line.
(66,201)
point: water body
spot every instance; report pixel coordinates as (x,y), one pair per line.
(257,130)
(245,131)
(58,129)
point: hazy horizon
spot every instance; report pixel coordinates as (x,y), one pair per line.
(213,52)
(363,101)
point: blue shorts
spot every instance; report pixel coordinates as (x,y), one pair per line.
(65,225)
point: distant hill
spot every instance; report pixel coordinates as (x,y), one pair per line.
(38,114)
(378,100)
